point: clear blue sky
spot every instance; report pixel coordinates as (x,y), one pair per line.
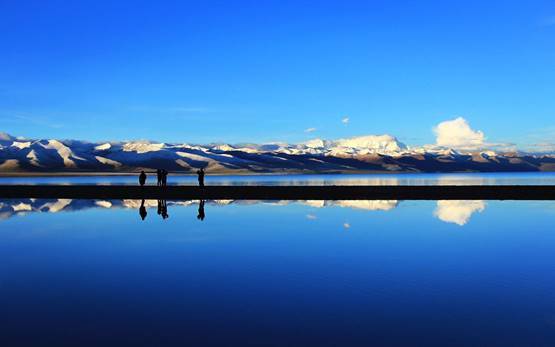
(256,71)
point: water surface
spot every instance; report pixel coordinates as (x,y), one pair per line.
(293,273)
(512,178)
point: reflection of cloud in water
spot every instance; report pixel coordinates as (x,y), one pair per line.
(450,211)
(458,211)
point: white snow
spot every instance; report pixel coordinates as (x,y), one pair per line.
(22,207)
(142,147)
(56,206)
(224,147)
(103,147)
(182,163)
(103,203)
(21,145)
(33,159)
(64,152)
(193,156)
(108,161)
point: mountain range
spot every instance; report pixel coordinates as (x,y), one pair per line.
(372,153)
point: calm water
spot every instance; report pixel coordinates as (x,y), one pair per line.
(526,178)
(289,273)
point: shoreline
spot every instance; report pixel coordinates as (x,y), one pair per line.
(336,192)
(244,174)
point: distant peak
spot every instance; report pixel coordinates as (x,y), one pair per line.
(6,137)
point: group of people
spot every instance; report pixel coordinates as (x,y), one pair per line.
(162,177)
(163,210)
(162,180)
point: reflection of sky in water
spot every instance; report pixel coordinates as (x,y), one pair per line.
(364,273)
(546,178)
(450,211)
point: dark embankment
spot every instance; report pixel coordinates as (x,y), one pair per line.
(282,192)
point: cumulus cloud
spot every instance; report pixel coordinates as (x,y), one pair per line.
(310,130)
(458,134)
(311,216)
(458,211)
(345,120)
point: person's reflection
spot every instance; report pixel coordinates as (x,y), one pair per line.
(200,215)
(142,210)
(163,209)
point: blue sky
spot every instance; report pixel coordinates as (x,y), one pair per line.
(257,71)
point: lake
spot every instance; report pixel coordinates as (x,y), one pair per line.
(278,273)
(505,178)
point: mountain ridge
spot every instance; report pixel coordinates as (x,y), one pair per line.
(370,153)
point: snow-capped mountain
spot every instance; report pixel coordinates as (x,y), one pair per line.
(357,154)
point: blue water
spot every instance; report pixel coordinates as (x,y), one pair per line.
(525,178)
(289,273)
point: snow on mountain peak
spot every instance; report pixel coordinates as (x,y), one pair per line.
(21,145)
(315,143)
(385,143)
(142,147)
(63,151)
(103,147)
(6,137)
(224,147)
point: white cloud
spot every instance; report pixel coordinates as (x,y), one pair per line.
(310,130)
(311,216)
(345,120)
(542,147)
(458,211)
(458,134)
(346,225)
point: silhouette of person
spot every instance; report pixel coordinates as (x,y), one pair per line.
(200,215)
(200,174)
(159,177)
(163,209)
(164,178)
(142,178)
(142,210)
(165,214)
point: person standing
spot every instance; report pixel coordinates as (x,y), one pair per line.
(200,174)
(142,178)
(158,177)
(164,177)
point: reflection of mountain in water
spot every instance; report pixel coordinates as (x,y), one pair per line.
(369,205)
(456,211)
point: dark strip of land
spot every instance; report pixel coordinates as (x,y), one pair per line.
(280,192)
